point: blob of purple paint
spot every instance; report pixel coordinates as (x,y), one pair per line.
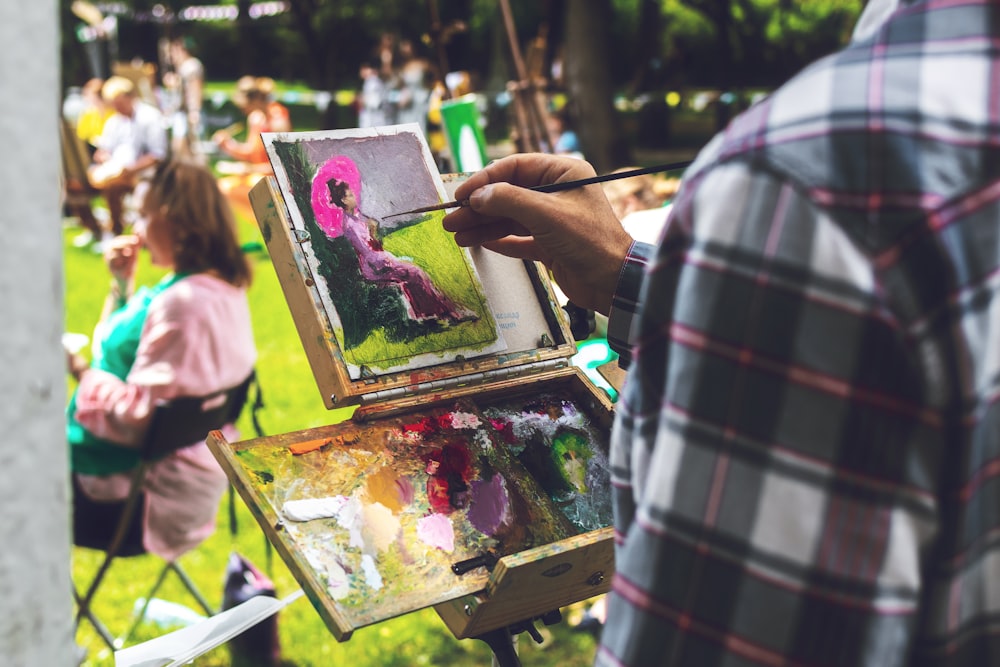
(490,507)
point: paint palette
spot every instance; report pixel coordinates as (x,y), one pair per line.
(473,481)
(375,518)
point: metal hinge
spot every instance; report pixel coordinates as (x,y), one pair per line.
(485,377)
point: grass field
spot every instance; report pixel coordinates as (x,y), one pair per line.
(292,403)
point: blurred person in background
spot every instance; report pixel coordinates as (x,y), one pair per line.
(278,117)
(132,142)
(95,114)
(188,78)
(253,102)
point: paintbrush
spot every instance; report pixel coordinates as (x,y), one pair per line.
(559,187)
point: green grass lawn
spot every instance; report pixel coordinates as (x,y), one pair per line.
(292,403)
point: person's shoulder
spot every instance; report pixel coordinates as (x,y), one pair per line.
(191,67)
(195,291)
(147,111)
(806,110)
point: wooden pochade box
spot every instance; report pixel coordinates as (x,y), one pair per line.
(494,466)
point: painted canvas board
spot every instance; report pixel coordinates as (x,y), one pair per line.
(381,512)
(397,292)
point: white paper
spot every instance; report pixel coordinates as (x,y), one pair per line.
(184,645)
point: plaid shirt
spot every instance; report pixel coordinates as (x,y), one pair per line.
(807,451)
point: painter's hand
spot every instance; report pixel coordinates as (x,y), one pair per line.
(574,233)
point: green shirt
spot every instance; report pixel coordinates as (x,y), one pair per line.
(114,354)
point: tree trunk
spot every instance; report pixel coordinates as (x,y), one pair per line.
(302,13)
(649,43)
(244,26)
(588,81)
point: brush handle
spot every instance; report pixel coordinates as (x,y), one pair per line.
(614,176)
(564,185)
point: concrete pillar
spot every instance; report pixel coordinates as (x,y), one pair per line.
(35,600)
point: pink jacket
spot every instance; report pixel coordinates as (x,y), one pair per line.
(197,339)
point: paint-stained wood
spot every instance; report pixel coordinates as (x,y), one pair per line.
(545,559)
(533,582)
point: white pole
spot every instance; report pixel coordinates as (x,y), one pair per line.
(36,605)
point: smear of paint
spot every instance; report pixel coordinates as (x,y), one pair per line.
(308,446)
(464,420)
(425,425)
(490,506)
(571,452)
(349,518)
(450,470)
(308,509)
(506,430)
(380,527)
(372,576)
(383,488)
(337,581)
(436,530)
(405,488)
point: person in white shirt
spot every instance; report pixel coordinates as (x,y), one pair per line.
(133,141)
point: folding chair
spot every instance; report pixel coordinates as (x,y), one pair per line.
(175,424)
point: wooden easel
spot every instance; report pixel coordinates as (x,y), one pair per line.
(532,132)
(439,36)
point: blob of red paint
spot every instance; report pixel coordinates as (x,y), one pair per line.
(450,471)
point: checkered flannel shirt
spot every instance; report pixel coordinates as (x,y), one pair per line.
(806,458)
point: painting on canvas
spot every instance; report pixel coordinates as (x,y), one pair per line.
(396,290)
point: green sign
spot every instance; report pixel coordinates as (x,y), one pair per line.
(460,118)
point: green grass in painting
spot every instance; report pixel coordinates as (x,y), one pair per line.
(292,403)
(421,244)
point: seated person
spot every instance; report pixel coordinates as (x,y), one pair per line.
(250,162)
(133,140)
(253,102)
(90,124)
(278,117)
(189,335)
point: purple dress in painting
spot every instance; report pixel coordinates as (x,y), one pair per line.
(423,300)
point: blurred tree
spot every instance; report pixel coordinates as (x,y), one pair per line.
(605,46)
(589,85)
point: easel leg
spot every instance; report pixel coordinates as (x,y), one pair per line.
(503,641)
(503,644)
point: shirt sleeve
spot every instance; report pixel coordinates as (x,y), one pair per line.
(156,135)
(624,304)
(197,339)
(119,410)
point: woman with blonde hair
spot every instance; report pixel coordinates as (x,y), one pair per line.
(188,335)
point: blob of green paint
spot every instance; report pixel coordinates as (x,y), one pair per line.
(571,453)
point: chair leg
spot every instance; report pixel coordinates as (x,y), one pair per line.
(101,629)
(192,588)
(137,621)
(116,542)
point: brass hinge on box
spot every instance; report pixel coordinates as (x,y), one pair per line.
(470,379)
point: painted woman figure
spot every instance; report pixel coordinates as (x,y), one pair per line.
(335,191)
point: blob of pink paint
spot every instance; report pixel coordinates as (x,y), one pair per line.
(435,530)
